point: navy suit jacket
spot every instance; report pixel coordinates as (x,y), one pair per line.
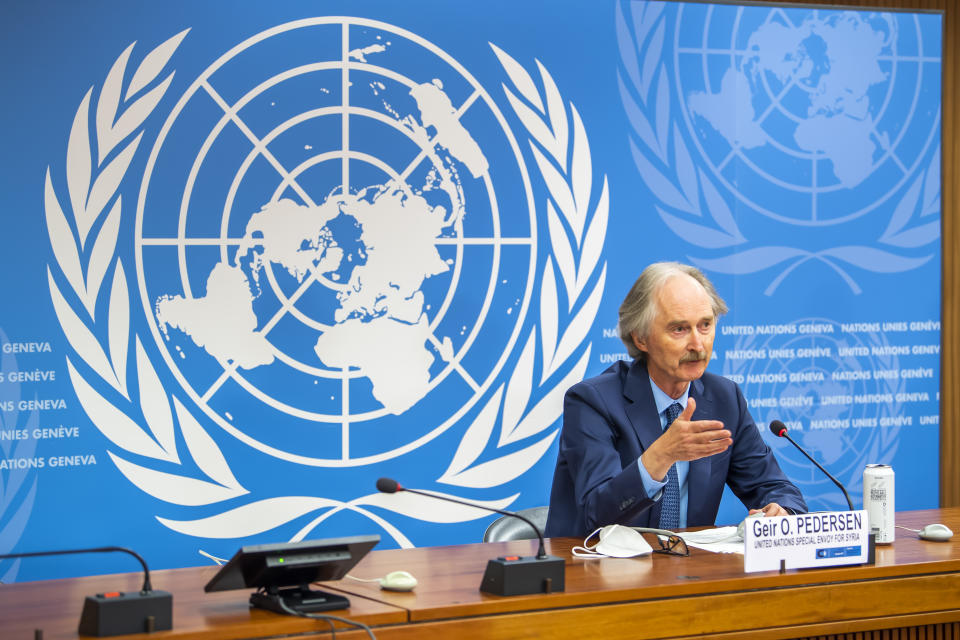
(610,420)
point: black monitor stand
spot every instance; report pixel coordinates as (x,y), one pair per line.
(299,599)
(282,573)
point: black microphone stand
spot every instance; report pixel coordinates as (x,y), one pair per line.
(506,575)
(116,613)
(780,430)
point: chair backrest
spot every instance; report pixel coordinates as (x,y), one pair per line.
(509,528)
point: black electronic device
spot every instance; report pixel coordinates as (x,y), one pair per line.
(281,573)
(117,613)
(507,575)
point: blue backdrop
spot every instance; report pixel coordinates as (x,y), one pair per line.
(256,255)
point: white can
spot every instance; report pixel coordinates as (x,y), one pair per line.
(878,501)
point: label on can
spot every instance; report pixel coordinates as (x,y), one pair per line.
(878,501)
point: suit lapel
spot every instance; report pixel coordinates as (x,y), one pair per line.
(698,476)
(643,416)
(642,410)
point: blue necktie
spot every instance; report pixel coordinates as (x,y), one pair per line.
(670,504)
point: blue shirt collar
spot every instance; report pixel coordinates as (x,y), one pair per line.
(663,401)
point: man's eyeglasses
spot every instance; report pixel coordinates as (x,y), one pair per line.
(670,543)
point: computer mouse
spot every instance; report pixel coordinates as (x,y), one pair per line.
(937,532)
(398,581)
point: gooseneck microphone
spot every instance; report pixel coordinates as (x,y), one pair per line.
(147,587)
(389,485)
(116,613)
(780,430)
(507,575)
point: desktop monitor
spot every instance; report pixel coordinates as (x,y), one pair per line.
(281,573)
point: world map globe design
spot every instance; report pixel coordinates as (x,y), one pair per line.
(815,109)
(323,247)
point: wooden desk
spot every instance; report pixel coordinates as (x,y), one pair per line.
(54,606)
(914,583)
(914,586)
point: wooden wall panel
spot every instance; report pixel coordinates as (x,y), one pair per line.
(950,315)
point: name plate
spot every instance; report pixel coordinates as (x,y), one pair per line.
(823,539)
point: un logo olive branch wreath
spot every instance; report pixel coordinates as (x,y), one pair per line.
(141,420)
(138,421)
(693,208)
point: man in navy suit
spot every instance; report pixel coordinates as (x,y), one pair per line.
(625,459)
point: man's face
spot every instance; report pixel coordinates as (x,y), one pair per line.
(680,340)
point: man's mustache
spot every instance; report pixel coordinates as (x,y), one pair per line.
(694,356)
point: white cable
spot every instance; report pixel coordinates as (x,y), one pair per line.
(362,579)
(900,526)
(219,561)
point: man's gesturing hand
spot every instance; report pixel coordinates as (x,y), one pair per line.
(772,509)
(685,439)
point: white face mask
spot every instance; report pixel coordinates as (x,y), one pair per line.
(616,541)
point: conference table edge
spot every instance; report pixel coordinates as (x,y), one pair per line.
(575,623)
(748,614)
(742,583)
(223,616)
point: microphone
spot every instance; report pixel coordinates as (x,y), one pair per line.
(389,485)
(780,430)
(506,575)
(115,613)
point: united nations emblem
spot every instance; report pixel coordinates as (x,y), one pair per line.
(809,121)
(335,250)
(776,140)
